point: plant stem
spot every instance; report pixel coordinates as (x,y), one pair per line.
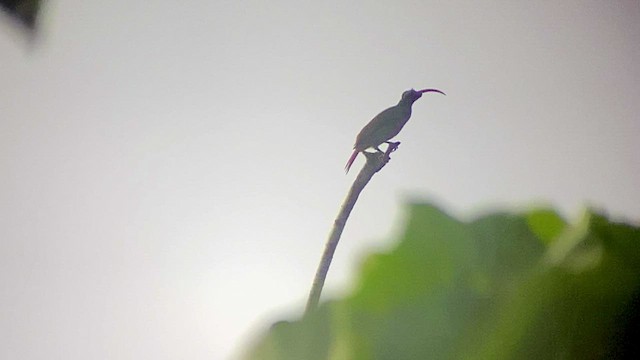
(375,162)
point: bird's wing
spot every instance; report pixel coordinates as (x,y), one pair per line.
(367,136)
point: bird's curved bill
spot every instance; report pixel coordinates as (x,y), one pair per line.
(431,90)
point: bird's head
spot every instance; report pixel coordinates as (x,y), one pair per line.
(413,95)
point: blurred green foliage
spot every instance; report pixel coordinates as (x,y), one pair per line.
(504,286)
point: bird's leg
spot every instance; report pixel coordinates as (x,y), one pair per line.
(378,149)
(392,146)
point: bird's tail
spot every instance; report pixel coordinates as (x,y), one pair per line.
(351,160)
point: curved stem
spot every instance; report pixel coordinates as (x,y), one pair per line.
(375,162)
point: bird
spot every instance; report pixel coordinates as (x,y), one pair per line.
(387,124)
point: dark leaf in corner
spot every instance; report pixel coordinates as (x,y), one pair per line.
(25,11)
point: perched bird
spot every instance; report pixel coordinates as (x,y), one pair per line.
(386,125)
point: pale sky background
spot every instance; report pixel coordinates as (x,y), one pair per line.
(169,170)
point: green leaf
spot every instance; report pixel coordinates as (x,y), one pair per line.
(504,286)
(546,224)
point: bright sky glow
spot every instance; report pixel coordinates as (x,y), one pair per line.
(169,172)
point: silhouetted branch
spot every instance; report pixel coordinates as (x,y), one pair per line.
(375,162)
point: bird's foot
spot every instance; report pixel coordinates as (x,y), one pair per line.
(380,158)
(393,146)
